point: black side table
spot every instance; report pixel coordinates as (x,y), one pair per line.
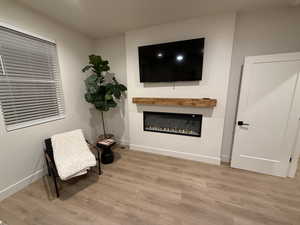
(107,155)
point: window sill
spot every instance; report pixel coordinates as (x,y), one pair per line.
(33,123)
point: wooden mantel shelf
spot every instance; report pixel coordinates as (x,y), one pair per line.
(189,102)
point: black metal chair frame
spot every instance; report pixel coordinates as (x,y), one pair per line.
(52,170)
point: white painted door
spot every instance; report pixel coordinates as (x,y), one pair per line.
(267,118)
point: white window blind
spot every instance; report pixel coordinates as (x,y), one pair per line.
(30,86)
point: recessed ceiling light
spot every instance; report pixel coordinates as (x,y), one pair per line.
(159,55)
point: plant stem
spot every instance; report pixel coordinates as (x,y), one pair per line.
(102,116)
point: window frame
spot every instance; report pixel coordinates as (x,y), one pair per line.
(62,115)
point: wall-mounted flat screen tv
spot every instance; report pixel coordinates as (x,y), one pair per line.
(174,61)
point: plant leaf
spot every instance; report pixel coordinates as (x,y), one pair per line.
(100,105)
(86,68)
(92,79)
(111,104)
(108,97)
(89,98)
(117,93)
(122,87)
(98,92)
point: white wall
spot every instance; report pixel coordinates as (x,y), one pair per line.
(21,151)
(218,31)
(257,33)
(113,49)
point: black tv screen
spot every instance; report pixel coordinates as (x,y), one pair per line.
(174,61)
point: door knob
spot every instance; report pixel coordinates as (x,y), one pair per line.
(241,123)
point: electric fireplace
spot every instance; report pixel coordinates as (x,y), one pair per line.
(173,123)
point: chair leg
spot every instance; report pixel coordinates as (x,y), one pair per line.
(48,167)
(55,182)
(56,187)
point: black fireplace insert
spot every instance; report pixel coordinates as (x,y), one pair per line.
(173,123)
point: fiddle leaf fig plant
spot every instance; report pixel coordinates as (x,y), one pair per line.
(102,88)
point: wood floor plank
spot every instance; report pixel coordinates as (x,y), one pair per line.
(146,189)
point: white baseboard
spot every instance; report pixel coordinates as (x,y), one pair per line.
(122,142)
(10,190)
(183,155)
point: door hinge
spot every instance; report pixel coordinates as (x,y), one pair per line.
(291,159)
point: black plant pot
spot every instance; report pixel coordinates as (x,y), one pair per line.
(107,156)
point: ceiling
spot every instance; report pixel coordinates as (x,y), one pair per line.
(101,18)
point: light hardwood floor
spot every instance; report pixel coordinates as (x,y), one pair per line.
(146,189)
